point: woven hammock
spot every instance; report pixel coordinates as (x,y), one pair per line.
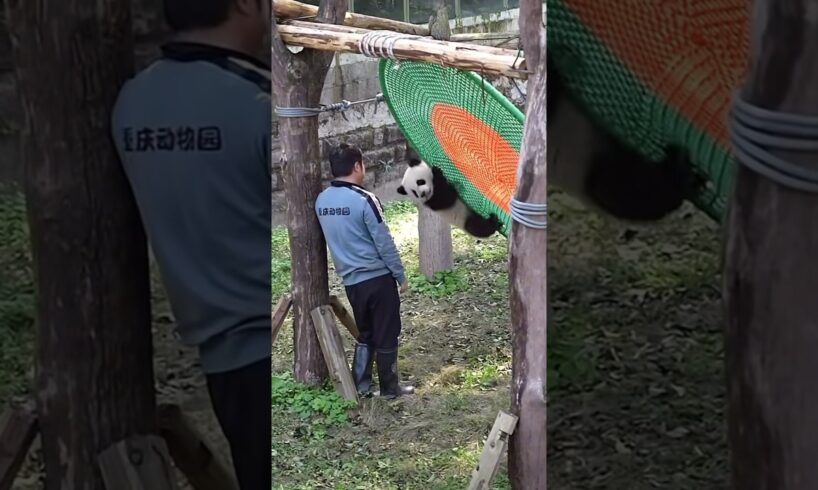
(461,124)
(658,72)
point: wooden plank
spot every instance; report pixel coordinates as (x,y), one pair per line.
(137,463)
(344,316)
(332,347)
(190,452)
(18,427)
(471,57)
(280,314)
(493,451)
(771,272)
(290,9)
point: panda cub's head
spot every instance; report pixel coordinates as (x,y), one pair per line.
(418,182)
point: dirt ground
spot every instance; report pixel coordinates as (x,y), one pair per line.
(635,382)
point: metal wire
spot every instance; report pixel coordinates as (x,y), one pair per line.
(342,106)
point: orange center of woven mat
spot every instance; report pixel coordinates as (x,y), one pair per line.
(691,54)
(484,157)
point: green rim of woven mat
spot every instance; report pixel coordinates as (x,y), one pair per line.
(414,88)
(629,109)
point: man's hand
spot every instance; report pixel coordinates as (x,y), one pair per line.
(404,287)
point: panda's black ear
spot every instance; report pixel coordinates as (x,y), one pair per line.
(402,190)
(414,162)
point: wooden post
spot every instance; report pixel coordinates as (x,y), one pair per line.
(18,427)
(493,451)
(297,82)
(771,274)
(333,348)
(280,314)
(527,277)
(190,452)
(434,243)
(344,316)
(137,463)
(94,358)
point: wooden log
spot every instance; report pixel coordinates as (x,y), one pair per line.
(493,451)
(137,463)
(280,314)
(18,427)
(333,348)
(472,57)
(298,80)
(343,315)
(94,352)
(483,36)
(771,274)
(190,452)
(443,43)
(290,9)
(527,278)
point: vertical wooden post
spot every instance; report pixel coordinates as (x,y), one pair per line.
(297,82)
(434,243)
(771,274)
(527,271)
(94,369)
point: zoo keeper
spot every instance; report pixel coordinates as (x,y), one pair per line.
(193,133)
(368,262)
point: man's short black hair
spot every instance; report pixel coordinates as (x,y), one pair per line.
(185,15)
(342,160)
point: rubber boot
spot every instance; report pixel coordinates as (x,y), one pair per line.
(362,369)
(388,375)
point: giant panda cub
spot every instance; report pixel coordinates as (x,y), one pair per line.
(427,186)
(590,164)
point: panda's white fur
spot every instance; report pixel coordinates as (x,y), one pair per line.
(427,186)
(588,163)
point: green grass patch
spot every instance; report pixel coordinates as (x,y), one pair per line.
(282,263)
(443,284)
(16,297)
(318,409)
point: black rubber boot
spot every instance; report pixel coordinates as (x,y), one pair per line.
(362,368)
(388,375)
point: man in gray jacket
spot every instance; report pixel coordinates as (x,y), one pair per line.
(193,132)
(368,262)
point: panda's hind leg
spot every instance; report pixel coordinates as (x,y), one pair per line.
(481,227)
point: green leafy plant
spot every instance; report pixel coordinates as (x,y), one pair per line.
(281,265)
(442,284)
(318,408)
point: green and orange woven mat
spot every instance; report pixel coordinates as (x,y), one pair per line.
(655,72)
(461,124)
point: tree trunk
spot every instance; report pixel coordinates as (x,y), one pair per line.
(297,82)
(94,369)
(771,275)
(527,270)
(434,243)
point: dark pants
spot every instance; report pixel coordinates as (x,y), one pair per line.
(376,308)
(241,400)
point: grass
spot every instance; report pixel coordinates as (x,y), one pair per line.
(16,298)
(634,379)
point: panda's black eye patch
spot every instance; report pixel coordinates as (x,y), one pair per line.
(421,182)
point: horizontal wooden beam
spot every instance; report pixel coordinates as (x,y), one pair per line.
(290,9)
(357,30)
(481,59)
